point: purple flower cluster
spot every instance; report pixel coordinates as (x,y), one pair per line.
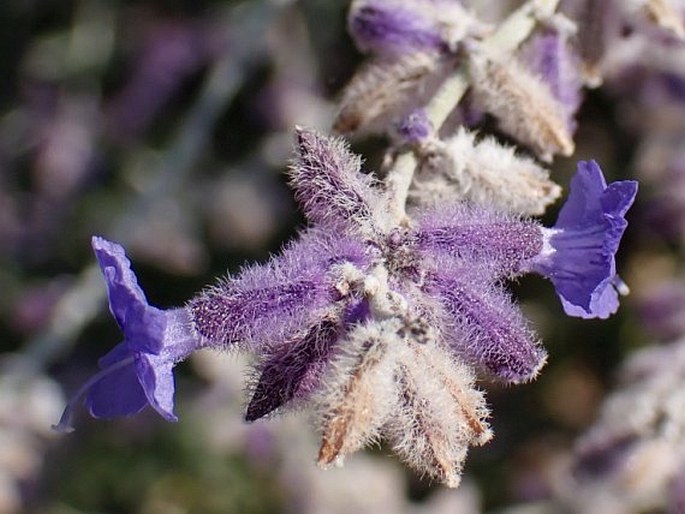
(356,293)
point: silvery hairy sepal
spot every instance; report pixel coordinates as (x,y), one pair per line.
(522,103)
(382,92)
(483,172)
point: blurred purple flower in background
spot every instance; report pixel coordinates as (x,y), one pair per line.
(662,309)
(170,51)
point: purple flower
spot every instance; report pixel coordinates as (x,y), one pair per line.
(580,251)
(376,324)
(138,371)
(577,254)
(415,127)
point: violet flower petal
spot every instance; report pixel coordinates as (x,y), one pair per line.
(580,260)
(129,399)
(127,302)
(157,378)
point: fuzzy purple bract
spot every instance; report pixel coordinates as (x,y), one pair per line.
(549,55)
(392,29)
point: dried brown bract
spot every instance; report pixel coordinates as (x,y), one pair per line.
(523,105)
(415,394)
(383,91)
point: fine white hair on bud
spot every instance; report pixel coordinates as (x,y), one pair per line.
(523,105)
(382,92)
(659,12)
(666,16)
(358,393)
(483,172)
(438,413)
(328,184)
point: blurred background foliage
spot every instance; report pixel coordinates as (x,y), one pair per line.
(166,126)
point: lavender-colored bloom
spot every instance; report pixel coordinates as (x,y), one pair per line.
(391,29)
(415,127)
(138,371)
(580,258)
(577,254)
(359,315)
